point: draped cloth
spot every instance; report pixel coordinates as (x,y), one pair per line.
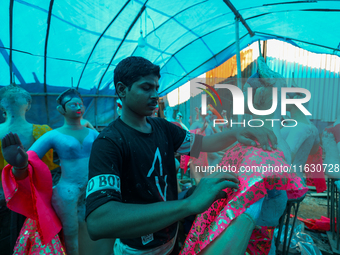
(31,197)
(253,186)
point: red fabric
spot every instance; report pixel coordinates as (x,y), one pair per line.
(335,131)
(177,124)
(322,224)
(184,162)
(316,179)
(260,240)
(32,196)
(253,186)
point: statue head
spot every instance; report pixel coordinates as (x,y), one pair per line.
(70,103)
(262,83)
(15,99)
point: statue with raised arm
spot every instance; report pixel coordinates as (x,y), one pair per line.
(73,143)
(302,139)
(15,102)
(331,146)
(262,196)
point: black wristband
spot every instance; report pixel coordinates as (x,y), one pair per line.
(21,168)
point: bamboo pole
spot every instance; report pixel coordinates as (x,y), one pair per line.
(86,95)
(238,58)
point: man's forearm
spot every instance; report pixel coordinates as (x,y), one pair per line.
(119,220)
(218,141)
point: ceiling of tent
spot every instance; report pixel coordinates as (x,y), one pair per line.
(54,42)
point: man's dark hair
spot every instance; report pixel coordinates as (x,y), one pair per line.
(67,96)
(131,69)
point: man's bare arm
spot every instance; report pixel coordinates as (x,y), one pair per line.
(247,136)
(120,220)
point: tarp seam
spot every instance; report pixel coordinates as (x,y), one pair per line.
(102,34)
(73,25)
(194,41)
(201,65)
(121,43)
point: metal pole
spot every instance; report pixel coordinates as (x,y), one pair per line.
(328,189)
(292,231)
(332,209)
(239,16)
(95,112)
(289,207)
(238,58)
(338,226)
(259,41)
(86,95)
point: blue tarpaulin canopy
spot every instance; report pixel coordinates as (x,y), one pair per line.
(47,44)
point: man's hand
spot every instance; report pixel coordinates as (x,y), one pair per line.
(209,189)
(13,151)
(248,136)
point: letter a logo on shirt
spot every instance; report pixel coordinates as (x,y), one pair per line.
(158,156)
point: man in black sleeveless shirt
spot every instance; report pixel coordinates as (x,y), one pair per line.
(132,189)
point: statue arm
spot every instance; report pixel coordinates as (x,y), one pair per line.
(332,154)
(44,144)
(296,137)
(88,124)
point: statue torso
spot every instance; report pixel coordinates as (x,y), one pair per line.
(24,131)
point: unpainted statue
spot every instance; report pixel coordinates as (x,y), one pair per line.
(15,102)
(331,146)
(73,143)
(262,84)
(303,139)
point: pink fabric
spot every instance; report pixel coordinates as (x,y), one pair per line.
(253,186)
(316,178)
(177,124)
(32,196)
(29,242)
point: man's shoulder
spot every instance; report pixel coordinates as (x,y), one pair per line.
(157,120)
(113,131)
(162,122)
